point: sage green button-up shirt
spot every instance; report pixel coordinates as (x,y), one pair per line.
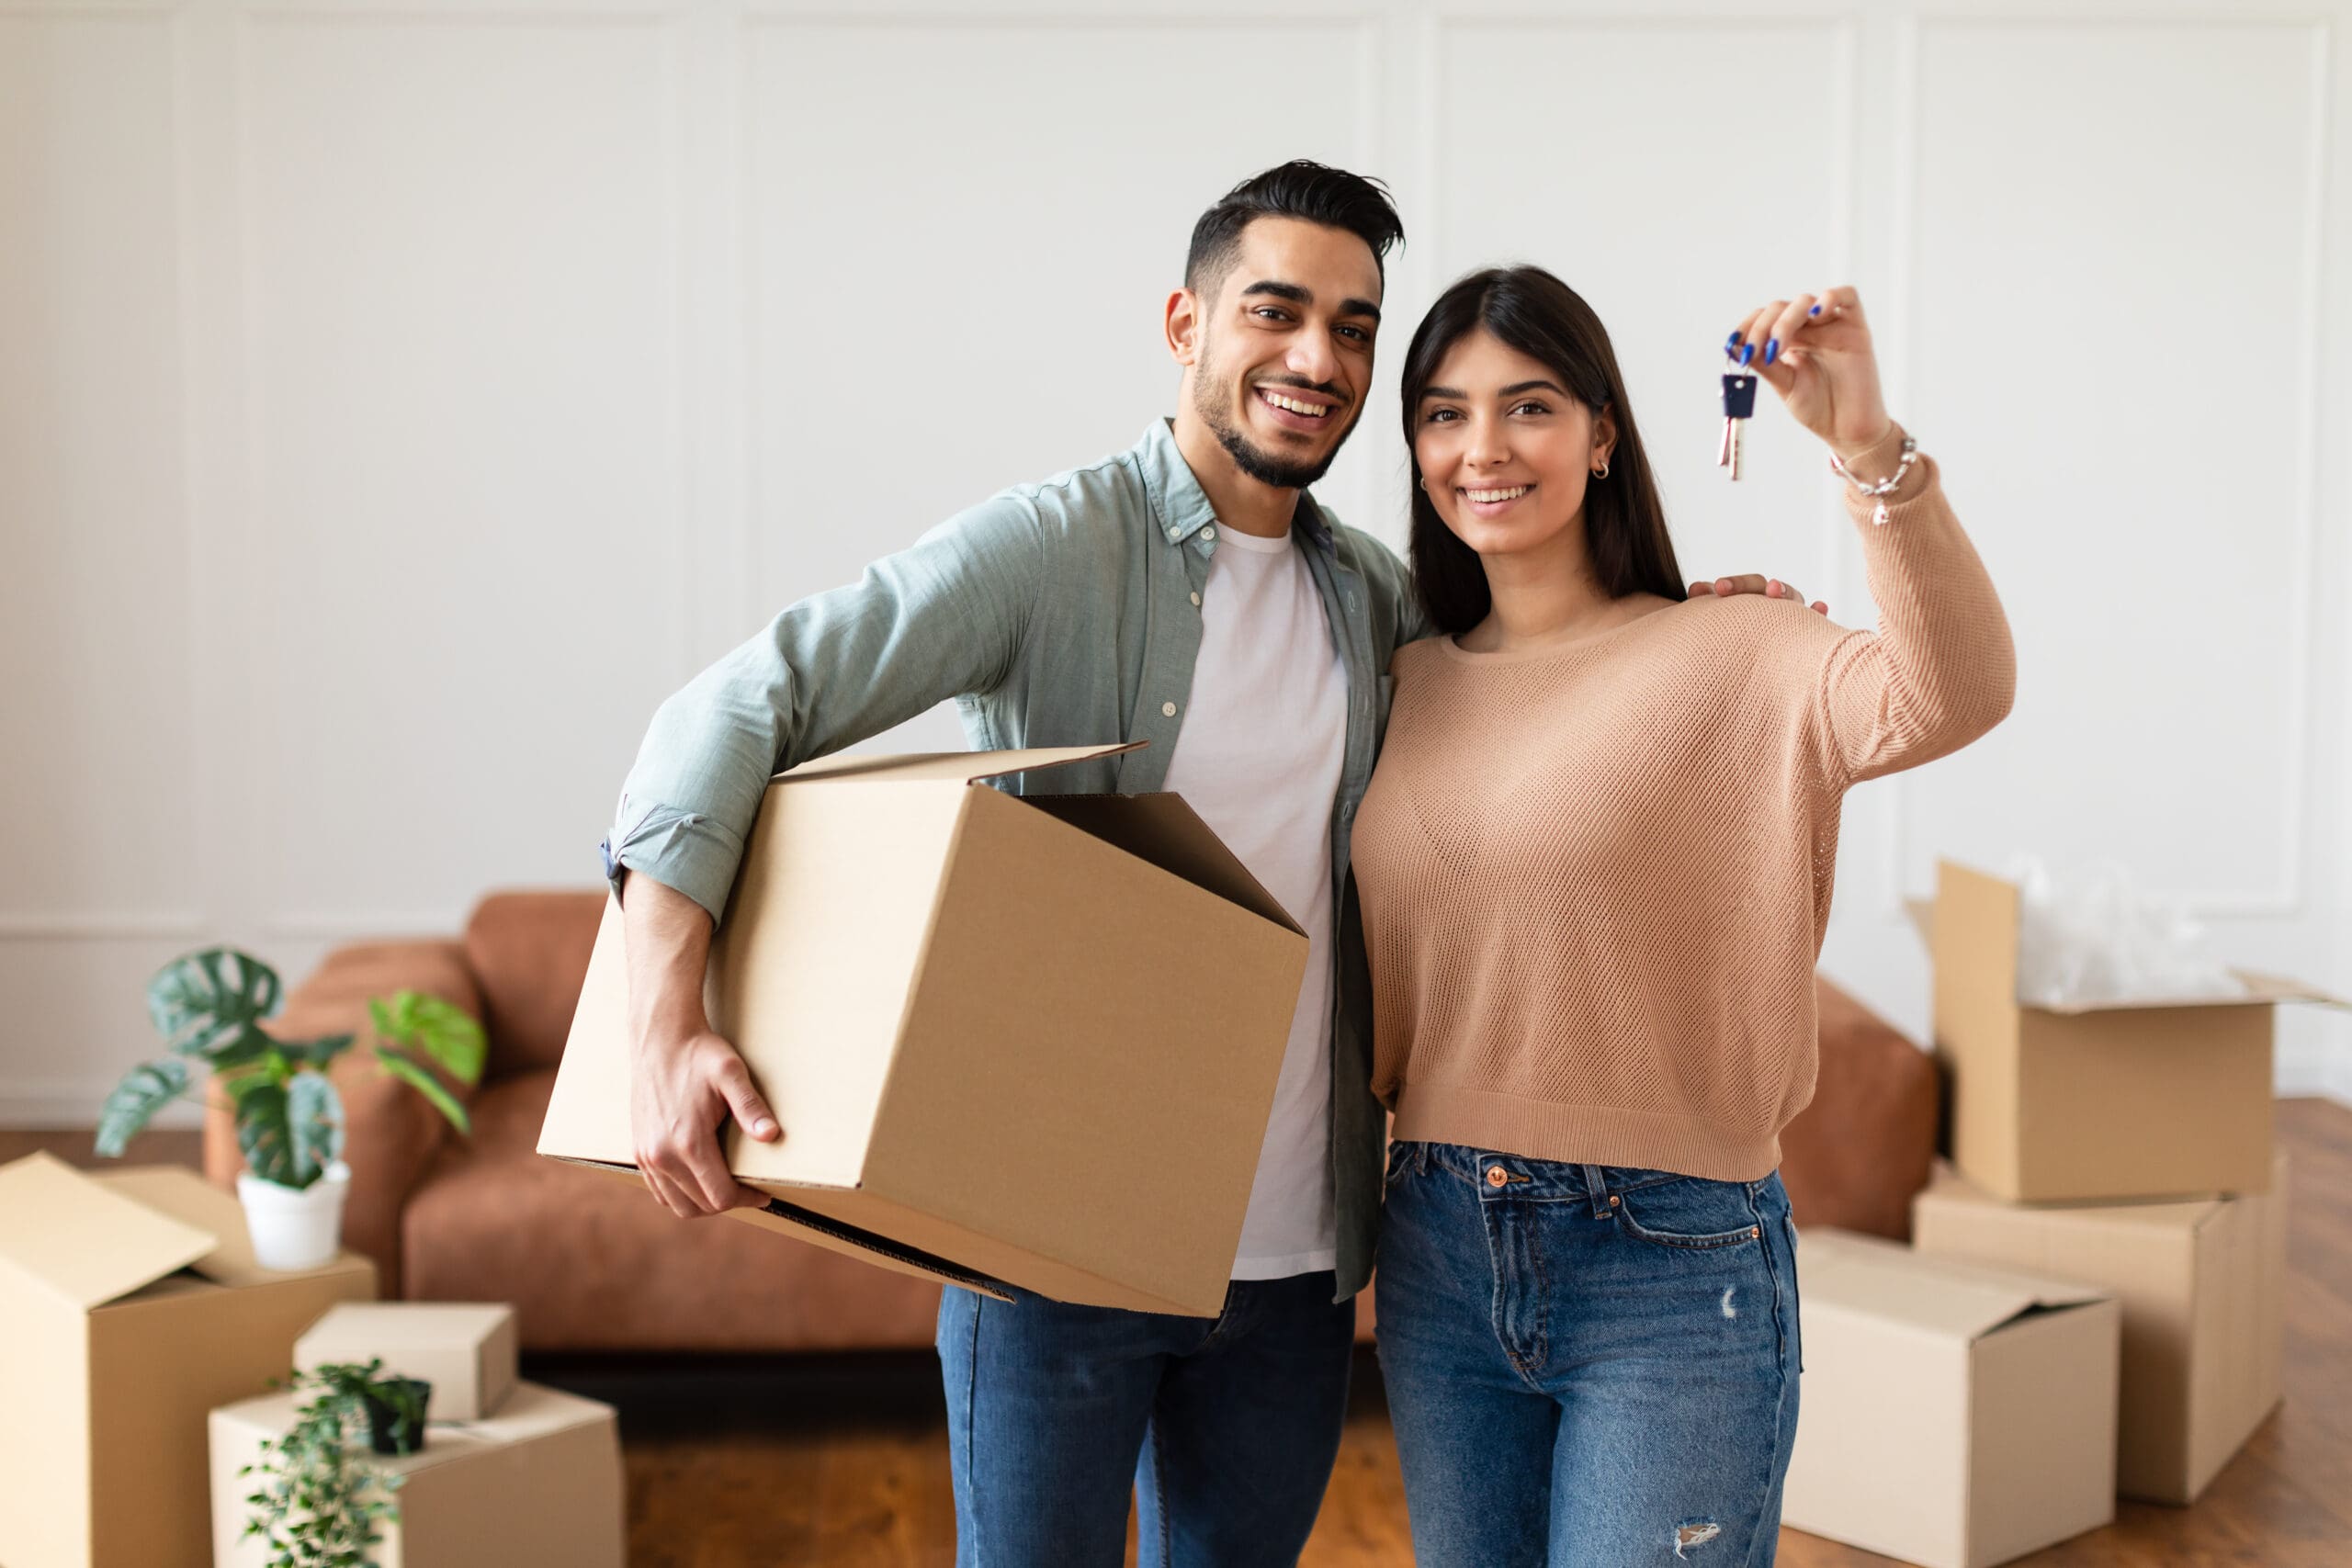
(1065,613)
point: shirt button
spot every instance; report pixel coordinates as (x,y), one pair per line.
(1494,1176)
(1209,534)
(1168,710)
(1197,600)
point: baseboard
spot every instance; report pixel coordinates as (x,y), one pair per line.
(2309,1069)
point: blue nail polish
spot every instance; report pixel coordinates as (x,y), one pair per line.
(1771,350)
(1747,351)
(1815,311)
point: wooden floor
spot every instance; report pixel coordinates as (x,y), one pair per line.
(842,1460)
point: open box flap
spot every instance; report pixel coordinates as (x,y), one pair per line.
(1946,1296)
(952,767)
(1989,905)
(84,1240)
(1163,828)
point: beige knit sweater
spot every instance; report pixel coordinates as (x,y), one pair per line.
(1595,877)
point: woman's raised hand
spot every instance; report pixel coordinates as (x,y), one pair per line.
(1815,350)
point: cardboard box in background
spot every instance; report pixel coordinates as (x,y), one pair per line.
(1952,1415)
(538,1483)
(1011,1039)
(465,1349)
(129,1306)
(2097,1101)
(2203,1285)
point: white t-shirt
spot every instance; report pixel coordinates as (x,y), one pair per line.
(1259,757)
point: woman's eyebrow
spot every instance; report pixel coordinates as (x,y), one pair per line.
(1510,392)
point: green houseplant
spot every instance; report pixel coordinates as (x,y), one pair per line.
(209,1008)
(318,1503)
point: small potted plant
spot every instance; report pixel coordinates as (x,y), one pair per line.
(318,1503)
(209,1008)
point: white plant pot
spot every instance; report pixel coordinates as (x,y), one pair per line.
(295,1227)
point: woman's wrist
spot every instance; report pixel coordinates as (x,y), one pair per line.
(1873,460)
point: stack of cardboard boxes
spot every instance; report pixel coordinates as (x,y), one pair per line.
(510,1473)
(2092,1301)
(129,1306)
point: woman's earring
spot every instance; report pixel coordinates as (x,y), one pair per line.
(1425,481)
(1602,472)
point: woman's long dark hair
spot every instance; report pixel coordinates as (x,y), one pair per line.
(1625,524)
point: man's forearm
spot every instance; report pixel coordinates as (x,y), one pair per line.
(669,952)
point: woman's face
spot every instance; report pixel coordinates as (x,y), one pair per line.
(1503,449)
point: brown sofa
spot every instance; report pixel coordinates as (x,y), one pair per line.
(594,1264)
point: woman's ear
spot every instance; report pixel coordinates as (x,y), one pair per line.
(1605,436)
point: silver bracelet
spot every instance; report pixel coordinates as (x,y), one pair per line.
(1884,486)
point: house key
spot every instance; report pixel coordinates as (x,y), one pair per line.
(1739,406)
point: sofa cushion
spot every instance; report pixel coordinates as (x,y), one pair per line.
(529,953)
(593,1263)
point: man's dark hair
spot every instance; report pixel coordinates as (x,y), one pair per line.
(1299,189)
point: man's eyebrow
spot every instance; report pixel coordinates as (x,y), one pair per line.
(1298,296)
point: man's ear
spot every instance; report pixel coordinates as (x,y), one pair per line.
(1183,327)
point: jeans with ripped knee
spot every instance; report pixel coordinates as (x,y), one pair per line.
(1588,1366)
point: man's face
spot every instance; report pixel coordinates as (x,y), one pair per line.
(1284,358)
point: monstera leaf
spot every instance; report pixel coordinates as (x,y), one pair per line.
(143,1090)
(290,1130)
(210,1004)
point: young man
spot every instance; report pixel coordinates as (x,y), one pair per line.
(1189,592)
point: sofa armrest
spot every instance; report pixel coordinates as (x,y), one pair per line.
(1856,1154)
(391,1132)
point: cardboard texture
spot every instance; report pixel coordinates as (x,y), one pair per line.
(1012,1040)
(1953,1415)
(466,1350)
(538,1482)
(2202,1287)
(129,1306)
(2097,1101)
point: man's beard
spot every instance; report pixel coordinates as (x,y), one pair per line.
(1283,473)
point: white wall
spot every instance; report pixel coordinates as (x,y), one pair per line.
(397,400)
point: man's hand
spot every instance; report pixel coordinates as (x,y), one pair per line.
(1771,587)
(683,1088)
(686,1080)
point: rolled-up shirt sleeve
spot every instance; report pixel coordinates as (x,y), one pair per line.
(943,618)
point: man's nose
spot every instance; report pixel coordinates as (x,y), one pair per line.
(1311,357)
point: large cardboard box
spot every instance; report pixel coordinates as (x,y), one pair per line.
(2203,1286)
(1952,1415)
(538,1483)
(129,1306)
(465,1349)
(1026,1040)
(2095,1100)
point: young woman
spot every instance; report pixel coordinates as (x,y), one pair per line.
(1595,867)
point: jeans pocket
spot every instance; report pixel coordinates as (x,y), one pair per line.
(1692,1212)
(1401,1158)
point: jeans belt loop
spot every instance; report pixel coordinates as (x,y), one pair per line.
(1596,1185)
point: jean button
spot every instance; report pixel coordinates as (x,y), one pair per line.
(1494,1176)
(1612,1200)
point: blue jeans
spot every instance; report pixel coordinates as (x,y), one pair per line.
(1226,1426)
(1588,1366)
